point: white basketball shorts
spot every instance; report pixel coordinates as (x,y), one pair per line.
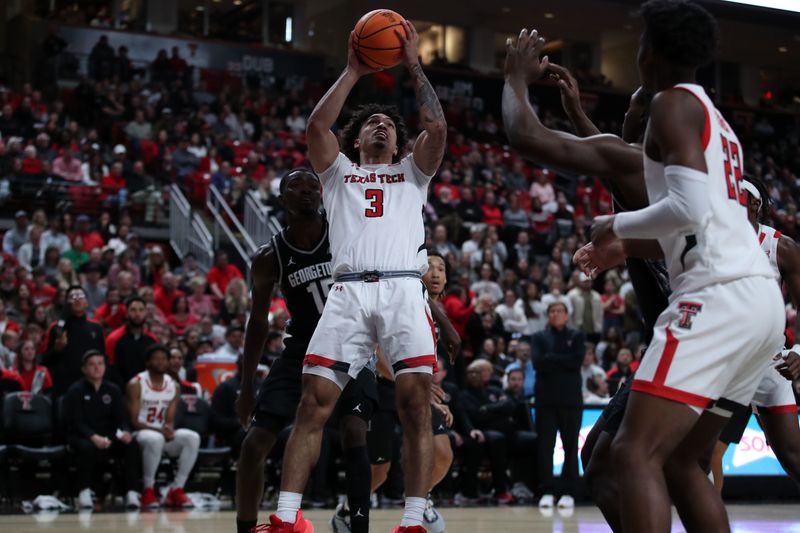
(714,343)
(392,314)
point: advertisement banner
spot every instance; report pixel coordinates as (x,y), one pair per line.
(235,58)
(751,457)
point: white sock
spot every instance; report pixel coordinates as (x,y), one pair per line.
(413,512)
(288,505)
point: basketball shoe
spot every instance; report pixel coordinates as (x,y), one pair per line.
(276,525)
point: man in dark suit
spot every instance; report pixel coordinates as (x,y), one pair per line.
(557,353)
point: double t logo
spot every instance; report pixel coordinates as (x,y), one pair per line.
(688,310)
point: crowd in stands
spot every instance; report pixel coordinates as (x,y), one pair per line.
(109,149)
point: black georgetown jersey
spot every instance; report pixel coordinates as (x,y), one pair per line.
(650,280)
(305,276)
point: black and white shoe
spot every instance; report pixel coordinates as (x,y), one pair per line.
(340,522)
(431,519)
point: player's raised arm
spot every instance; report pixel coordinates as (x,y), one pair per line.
(430,145)
(605,156)
(264,273)
(323,146)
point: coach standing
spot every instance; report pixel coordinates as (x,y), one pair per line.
(68,339)
(557,357)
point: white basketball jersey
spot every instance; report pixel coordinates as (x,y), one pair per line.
(768,239)
(722,249)
(154,402)
(375,215)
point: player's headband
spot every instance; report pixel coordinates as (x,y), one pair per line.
(752,189)
(296,173)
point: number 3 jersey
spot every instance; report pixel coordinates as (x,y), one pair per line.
(305,278)
(375,215)
(724,248)
(155,401)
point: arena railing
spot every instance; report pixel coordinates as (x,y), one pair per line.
(257,221)
(187,231)
(225,220)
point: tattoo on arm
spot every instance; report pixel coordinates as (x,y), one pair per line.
(429,107)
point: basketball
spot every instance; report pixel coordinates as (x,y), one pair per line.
(376,43)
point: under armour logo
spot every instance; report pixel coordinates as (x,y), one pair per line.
(357,408)
(441,427)
(291,261)
(688,310)
(338,288)
(358,513)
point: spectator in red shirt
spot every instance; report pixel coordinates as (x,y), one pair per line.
(180,317)
(458,308)
(446,177)
(31,165)
(112,313)
(91,239)
(31,372)
(492,214)
(221,274)
(459,147)
(166,294)
(113,186)
(613,306)
(42,292)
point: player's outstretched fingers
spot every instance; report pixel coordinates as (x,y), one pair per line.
(522,40)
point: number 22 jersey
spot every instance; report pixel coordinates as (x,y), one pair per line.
(375,215)
(725,247)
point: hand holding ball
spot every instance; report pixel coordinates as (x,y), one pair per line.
(374,39)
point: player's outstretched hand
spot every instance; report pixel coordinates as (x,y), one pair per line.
(790,367)
(410,39)
(568,85)
(354,64)
(592,260)
(522,59)
(244,407)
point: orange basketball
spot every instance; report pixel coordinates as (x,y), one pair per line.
(376,43)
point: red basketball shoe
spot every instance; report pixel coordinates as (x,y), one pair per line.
(149,500)
(409,529)
(177,498)
(276,525)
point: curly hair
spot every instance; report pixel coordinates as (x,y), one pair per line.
(681,31)
(357,119)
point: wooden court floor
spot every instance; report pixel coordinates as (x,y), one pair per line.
(783,518)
